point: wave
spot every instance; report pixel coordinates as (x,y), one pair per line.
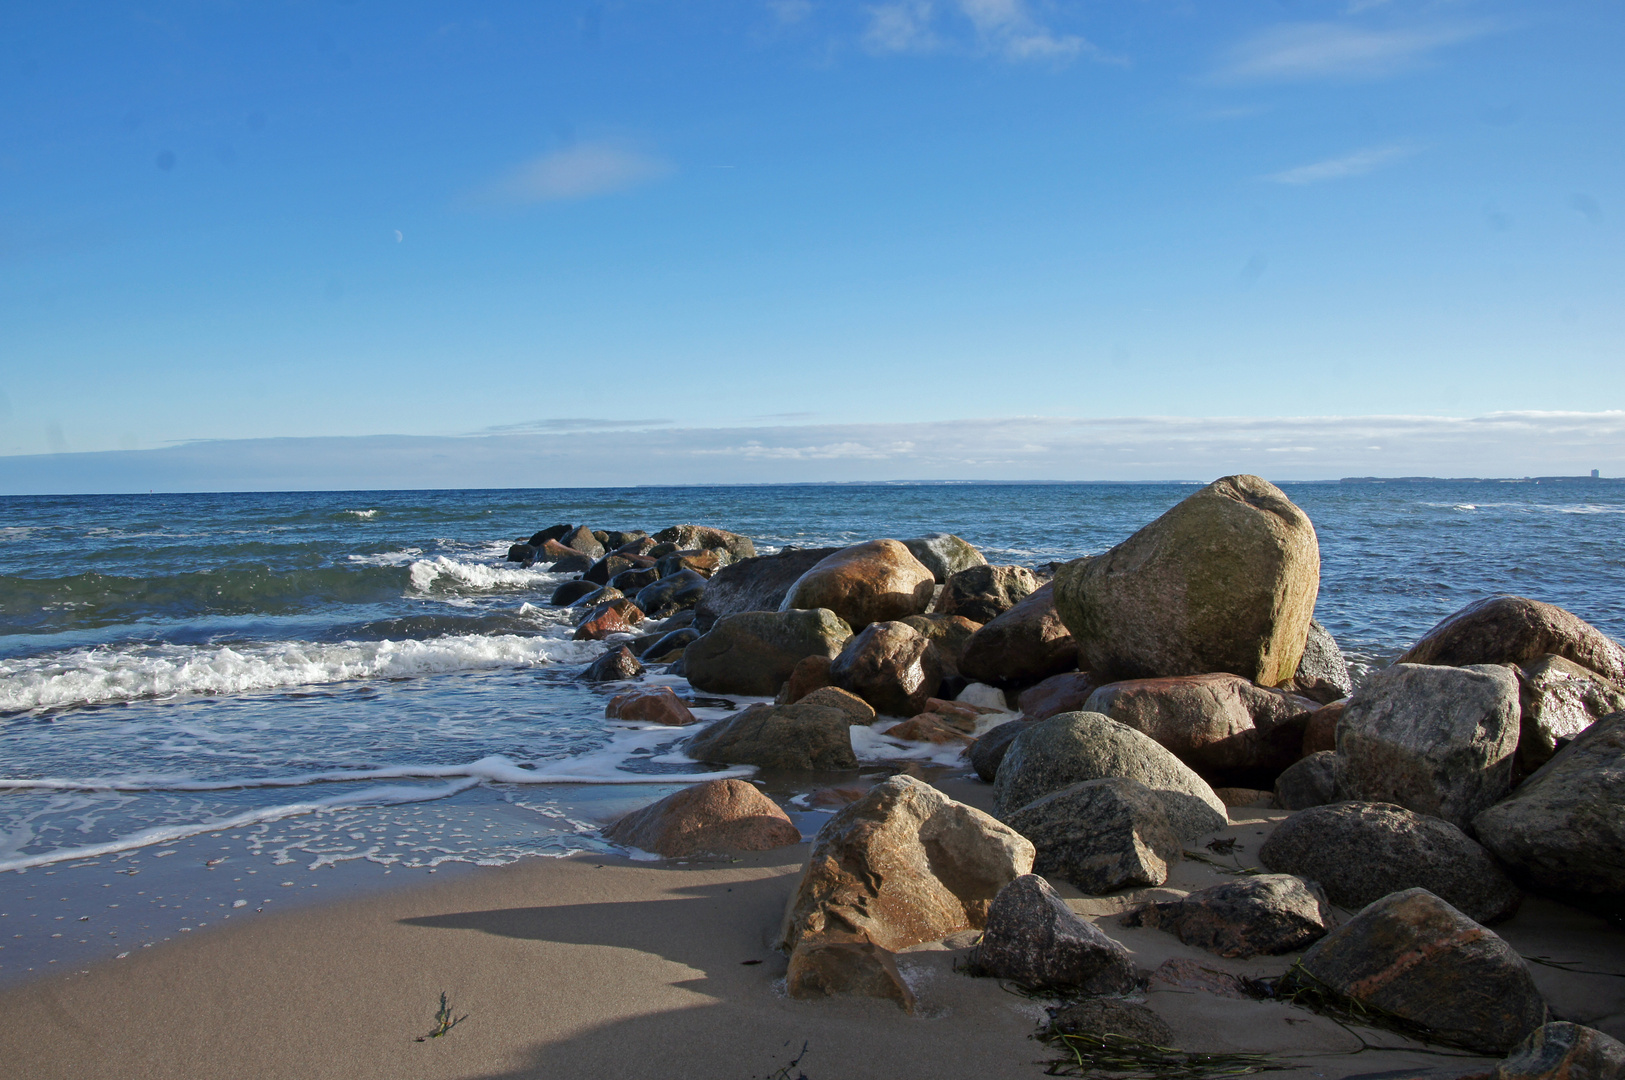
(132,672)
(450,573)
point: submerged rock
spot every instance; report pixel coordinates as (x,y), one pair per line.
(1034,940)
(651,705)
(1263,915)
(716,816)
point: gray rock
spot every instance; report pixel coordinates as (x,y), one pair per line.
(1323,674)
(1033,939)
(1263,915)
(1415,957)
(890,665)
(634,580)
(573,591)
(1107,1016)
(670,645)
(678,592)
(1437,740)
(987,753)
(574,563)
(584,541)
(1563,830)
(983,593)
(1361,852)
(705,538)
(1100,835)
(944,554)
(1516,630)
(756,584)
(1310,781)
(1074,747)
(792,737)
(614,666)
(754,652)
(1559,699)
(1025,644)
(1564,1051)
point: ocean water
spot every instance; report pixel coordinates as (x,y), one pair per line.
(282,684)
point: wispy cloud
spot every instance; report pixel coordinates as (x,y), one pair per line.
(904,26)
(1003,28)
(1299,51)
(571,423)
(576,172)
(1341,168)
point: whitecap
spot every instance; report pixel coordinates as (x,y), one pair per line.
(426,573)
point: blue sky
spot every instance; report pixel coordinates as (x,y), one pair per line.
(312,220)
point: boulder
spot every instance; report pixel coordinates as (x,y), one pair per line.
(1073,747)
(1226,728)
(1558,699)
(636,548)
(1022,646)
(1100,835)
(1360,852)
(810,673)
(702,562)
(1310,781)
(651,705)
(691,537)
(754,652)
(1244,797)
(634,580)
(890,665)
(602,623)
(756,584)
(983,593)
(521,553)
(1323,673)
(1035,940)
(629,612)
(583,541)
(1109,1016)
(821,969)
(901,866)
(1193,976)
(670,646)
(614,666)
(929,728)
(876,581)
(619,540)
(857,710)
(678,592)
(1416,958)
(1320,730)
(984,696)
(1262,915)
(1564,1051)
(571,591)
(606,568)
(1563,830)
(714,817)
(1515,630)
(944,554)
(1437,740)
(552,532)
(791,737)
(602,594)
(987,753)
(949,633)
(564,560)
(1225,581)
(1066,692)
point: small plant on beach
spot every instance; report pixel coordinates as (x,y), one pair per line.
(1122,1058)
(783,1072)
(443,1021)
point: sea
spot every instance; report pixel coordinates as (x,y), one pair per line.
(214,706)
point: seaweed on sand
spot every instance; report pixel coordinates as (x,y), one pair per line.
(1123,1058)
(443,1021)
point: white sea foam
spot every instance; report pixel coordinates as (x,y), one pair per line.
(872,745)
(388,558)
(128,673)
(454,572)
(364,515)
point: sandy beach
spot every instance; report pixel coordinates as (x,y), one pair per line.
(593,966)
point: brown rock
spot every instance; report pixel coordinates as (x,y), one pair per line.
(857,710)
(1027,643)
(1244,796)
(755,652)
(792,737)
(1564,1051)
(1559,699)
(877,581)
(607,622)
(553,551)
(652,705)
(756,584)
(615,665)
(809,674)
(949,633)
(846,969)
(983,593)
(689,537)
(929,728)
(903,865)
(1225,581)
(1320,730)
(704,563)
(890,665)
(716,816)
(1057,694)
(628,610)
(1109,1016)
(1515,630)
(583,541)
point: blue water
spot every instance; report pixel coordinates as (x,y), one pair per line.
(321,678)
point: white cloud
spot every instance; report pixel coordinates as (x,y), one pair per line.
(1356,164)
(901,27)
(576,172)
(1299,51)
(1004,28)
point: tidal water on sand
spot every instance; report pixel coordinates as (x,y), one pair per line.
(211,705)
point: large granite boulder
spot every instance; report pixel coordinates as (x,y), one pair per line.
(901,866)
(754,652)
(716,816)
(890,665)
(1025,644)
(1563,830)
(1066,692)
(1262,915)
(1361,852)
(703,537)
(1437,740)
(1225,581)
(944,554)
(1416,958)
(756,584)
(1558,699)
(792,737)
(1226,728)
(1073,747)
(950,634)
(1564,1051)
(1309,781)
(1323,673)
(1034,940)
(877,581)
(983,593)
(1100,835)
(1515,630)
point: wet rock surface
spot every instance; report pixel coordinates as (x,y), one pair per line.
(890,665)
(791,737)
(756,651)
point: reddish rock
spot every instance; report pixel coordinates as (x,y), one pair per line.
(929,728)
(1027,643)
(716,816)
(877,581)
(553,551)
(1057,694)
(836,796)
(704,563)
(608,622)
(890,665)
(1515,630)
(949,633)
(654,705)
(858,711)
(608,600)
(1320,731)
(807,675)
(960,709)
(846,969)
